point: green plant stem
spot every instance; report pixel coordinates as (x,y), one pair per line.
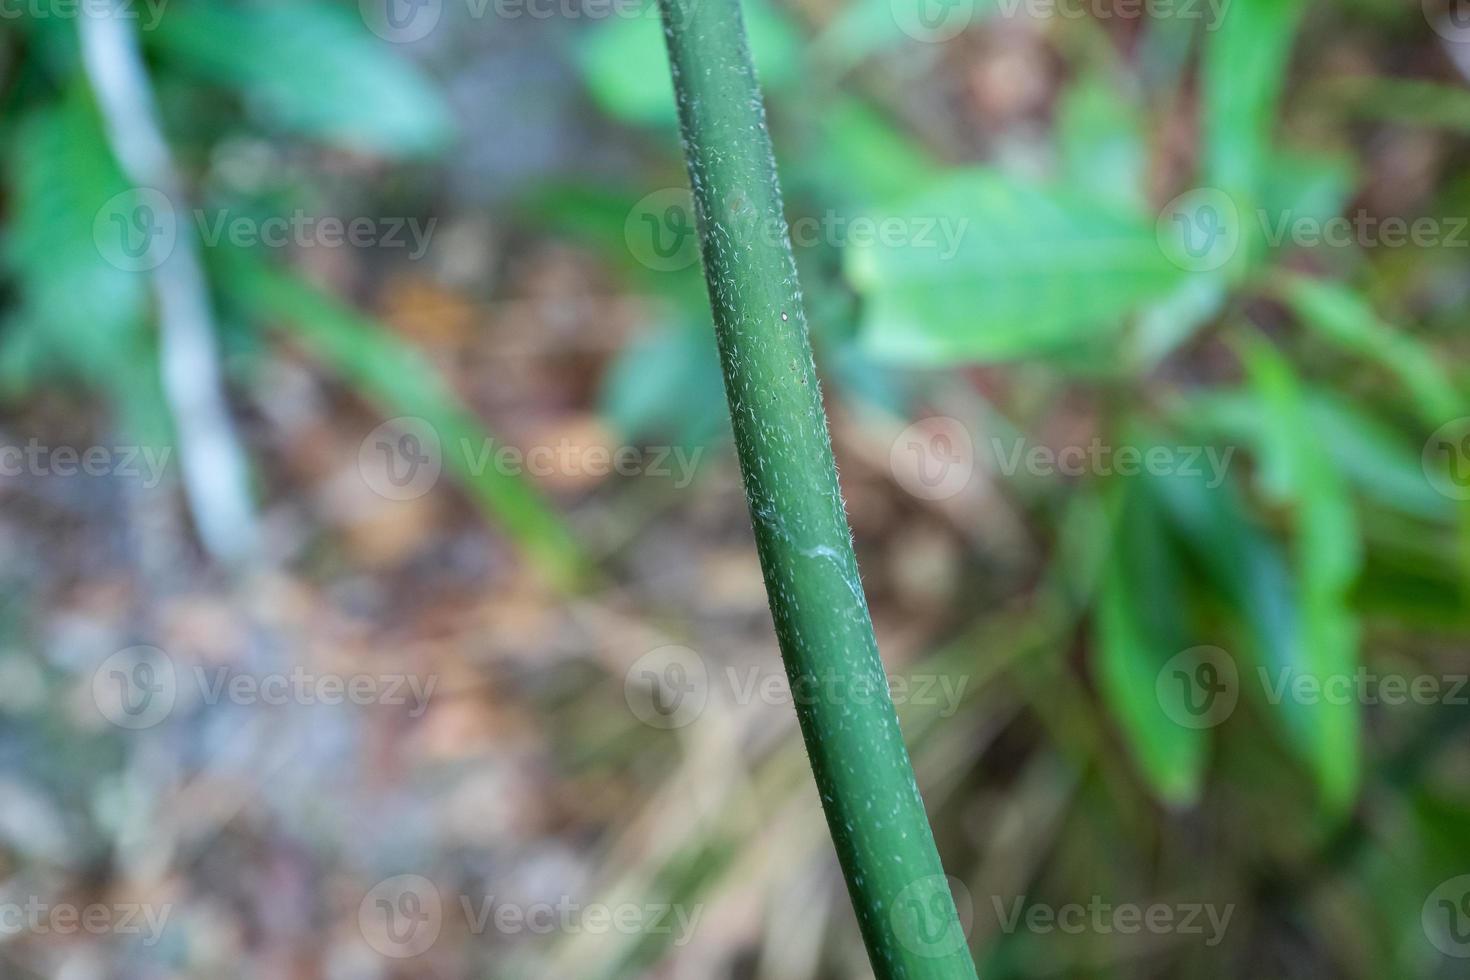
(863,773)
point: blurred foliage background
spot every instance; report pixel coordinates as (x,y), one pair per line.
(1132,190)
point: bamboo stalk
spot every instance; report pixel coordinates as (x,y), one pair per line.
(874,811)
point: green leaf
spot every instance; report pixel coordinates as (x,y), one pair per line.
(1300,185)
(623,62)
(621,66)
(862,28)
(1163,327)
(1348,321)
(1244,69)
(1100,137)
(1249,573)
(78,314)
(667,384)
(403,382)
(86,307)
(310,68)
(1379,461)
(990,269)
(1299,474)
(854,156)
(1274,596)
(1138,629)
(1299,191)
(1243,72)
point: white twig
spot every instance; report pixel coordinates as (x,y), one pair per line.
(212,462)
